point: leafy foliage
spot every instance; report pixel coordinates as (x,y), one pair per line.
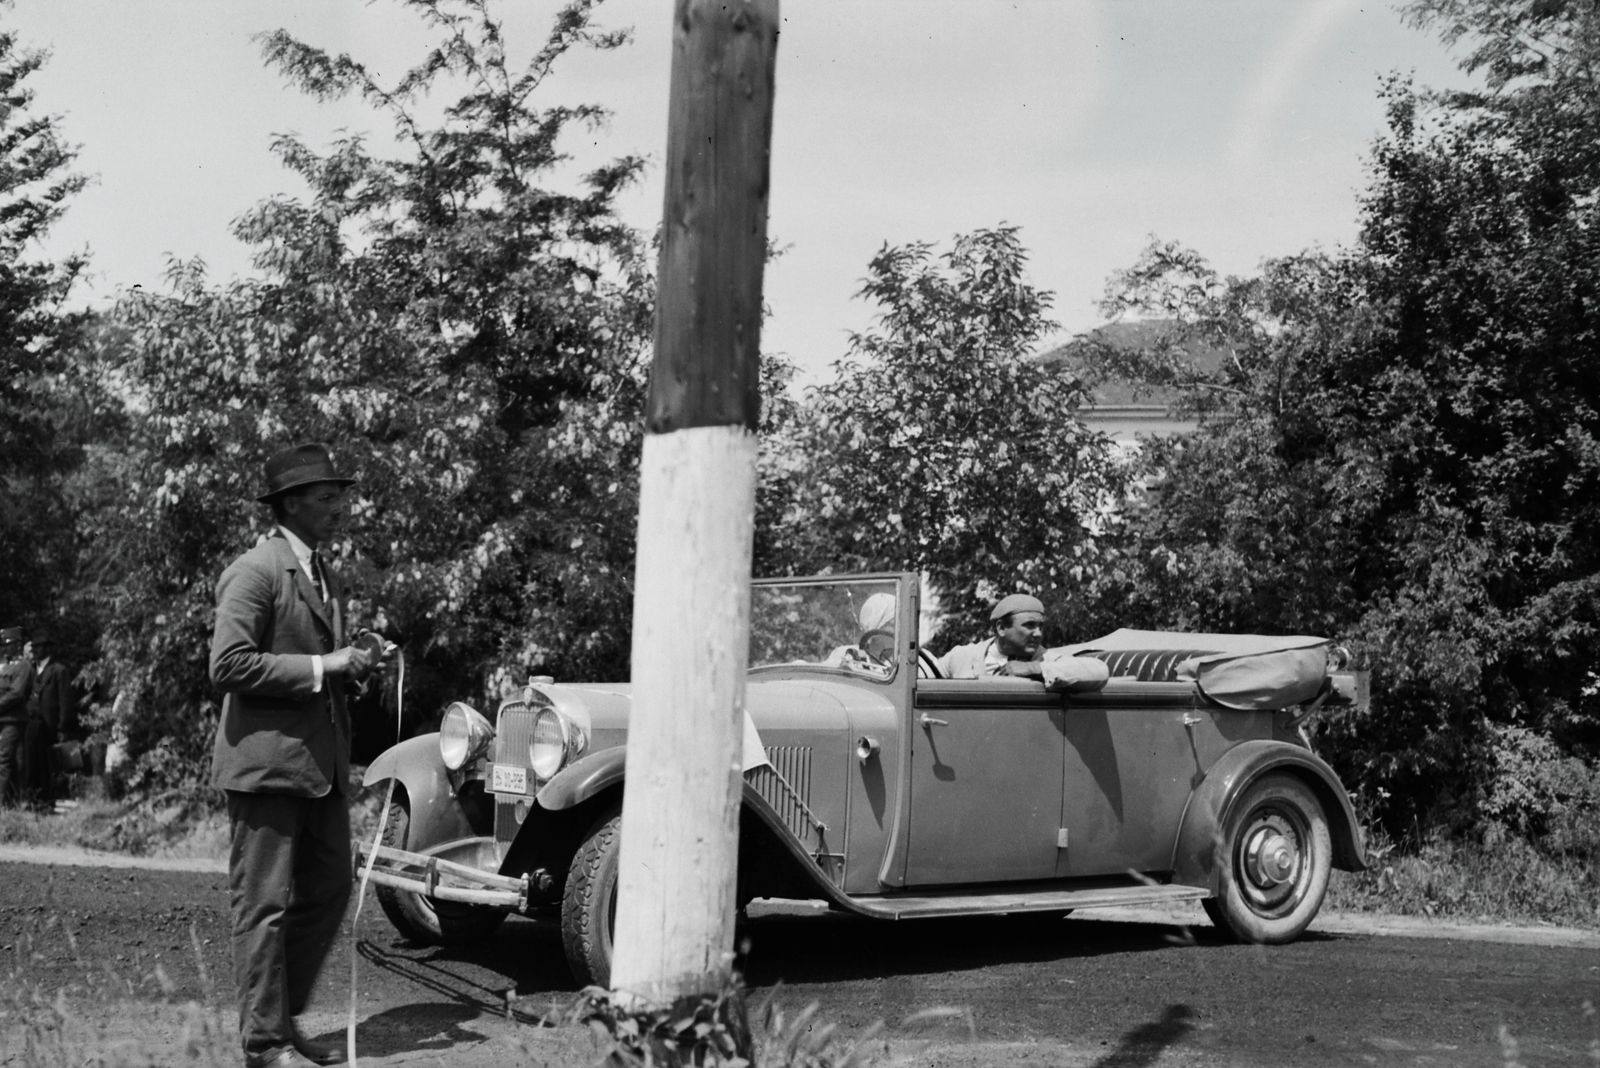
(1401,448)
(942,446)
(466,334)
(43,418)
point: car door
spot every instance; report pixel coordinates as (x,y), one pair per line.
(1134,753)
(986,765)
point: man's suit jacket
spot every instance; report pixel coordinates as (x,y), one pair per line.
(16,683)
(276,735)
(53,700)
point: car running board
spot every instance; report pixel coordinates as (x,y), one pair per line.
(908,906)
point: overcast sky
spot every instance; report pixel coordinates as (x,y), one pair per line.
(1236,126)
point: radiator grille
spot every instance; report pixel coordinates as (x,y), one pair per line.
(793,763)
(506,823)
(512,736)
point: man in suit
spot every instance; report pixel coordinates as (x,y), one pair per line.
(279,655)
(52,711)
(16,683)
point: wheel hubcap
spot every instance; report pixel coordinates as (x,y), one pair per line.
(1270,858)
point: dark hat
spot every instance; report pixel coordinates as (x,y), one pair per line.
(300,466)
(1017,602)
(11,634)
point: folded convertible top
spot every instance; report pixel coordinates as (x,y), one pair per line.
(1245,671)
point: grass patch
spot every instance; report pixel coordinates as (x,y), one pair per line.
(169,825)
(1501,878)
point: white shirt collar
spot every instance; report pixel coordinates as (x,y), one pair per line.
(302,551)
(993,658)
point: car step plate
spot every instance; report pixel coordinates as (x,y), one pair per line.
(907,906)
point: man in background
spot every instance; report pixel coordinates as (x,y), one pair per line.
(52,712)
(16,684)
(279,655)
(1016,648)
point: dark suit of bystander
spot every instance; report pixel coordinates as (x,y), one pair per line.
(52,712)
(278,654)
(16,683)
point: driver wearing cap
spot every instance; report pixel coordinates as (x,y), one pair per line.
(1017,648)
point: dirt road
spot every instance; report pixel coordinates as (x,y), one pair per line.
(1079,991)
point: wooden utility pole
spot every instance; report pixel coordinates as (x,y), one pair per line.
(691,607)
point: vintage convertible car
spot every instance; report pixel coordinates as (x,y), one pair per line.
(891,792)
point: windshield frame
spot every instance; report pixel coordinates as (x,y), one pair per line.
(904,642)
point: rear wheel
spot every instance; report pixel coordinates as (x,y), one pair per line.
(424,919)
(1274,865)
(589,904)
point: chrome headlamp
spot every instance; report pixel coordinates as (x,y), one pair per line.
(464,735)
(559,733)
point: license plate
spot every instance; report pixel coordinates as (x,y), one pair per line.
(508,779)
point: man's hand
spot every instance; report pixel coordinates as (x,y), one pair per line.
(351,662)
(1024,669)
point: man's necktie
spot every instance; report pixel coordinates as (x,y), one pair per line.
(316,575)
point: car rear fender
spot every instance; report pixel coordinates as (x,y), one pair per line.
(1193,858)
(437,816)
(547,839)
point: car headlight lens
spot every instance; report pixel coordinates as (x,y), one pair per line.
(464,735)
(547,745)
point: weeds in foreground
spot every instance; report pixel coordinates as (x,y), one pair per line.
(40,1030)
(1496,878)
(715,1031)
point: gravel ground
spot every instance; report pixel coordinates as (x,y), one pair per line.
(128,947)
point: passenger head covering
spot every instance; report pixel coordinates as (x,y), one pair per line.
(877,612)
(1017,602)
(300,466)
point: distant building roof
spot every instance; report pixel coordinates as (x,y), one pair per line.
(1120,408)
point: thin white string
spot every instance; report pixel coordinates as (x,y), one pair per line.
(366,871)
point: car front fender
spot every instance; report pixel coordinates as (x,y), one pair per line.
(583,778)
(599,772)
(437,816)
(1194,856)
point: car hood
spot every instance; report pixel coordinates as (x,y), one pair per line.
(776,705)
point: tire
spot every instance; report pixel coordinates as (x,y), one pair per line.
(425,920)
(589,904)
(1276,854)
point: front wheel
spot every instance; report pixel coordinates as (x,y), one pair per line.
(427,920)
(589,904)
(1274,859)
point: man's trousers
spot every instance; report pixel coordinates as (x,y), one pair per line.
(11,733)
(38,771)
(289,878)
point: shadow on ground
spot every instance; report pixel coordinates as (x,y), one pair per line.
(524,959)
(1145,1044)
(425,1025)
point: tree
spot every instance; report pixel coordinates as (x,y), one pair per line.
(43,418)
(466,334)
(1401,451)
(942,446)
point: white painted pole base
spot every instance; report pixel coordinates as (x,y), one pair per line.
(691,626)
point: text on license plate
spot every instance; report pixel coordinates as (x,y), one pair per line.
(508,779)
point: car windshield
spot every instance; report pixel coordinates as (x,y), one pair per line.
(846,624)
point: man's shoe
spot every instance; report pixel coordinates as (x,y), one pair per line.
(316,1052)
(284,1058)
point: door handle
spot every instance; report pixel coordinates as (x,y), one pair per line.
(1189,720)
(929,721)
